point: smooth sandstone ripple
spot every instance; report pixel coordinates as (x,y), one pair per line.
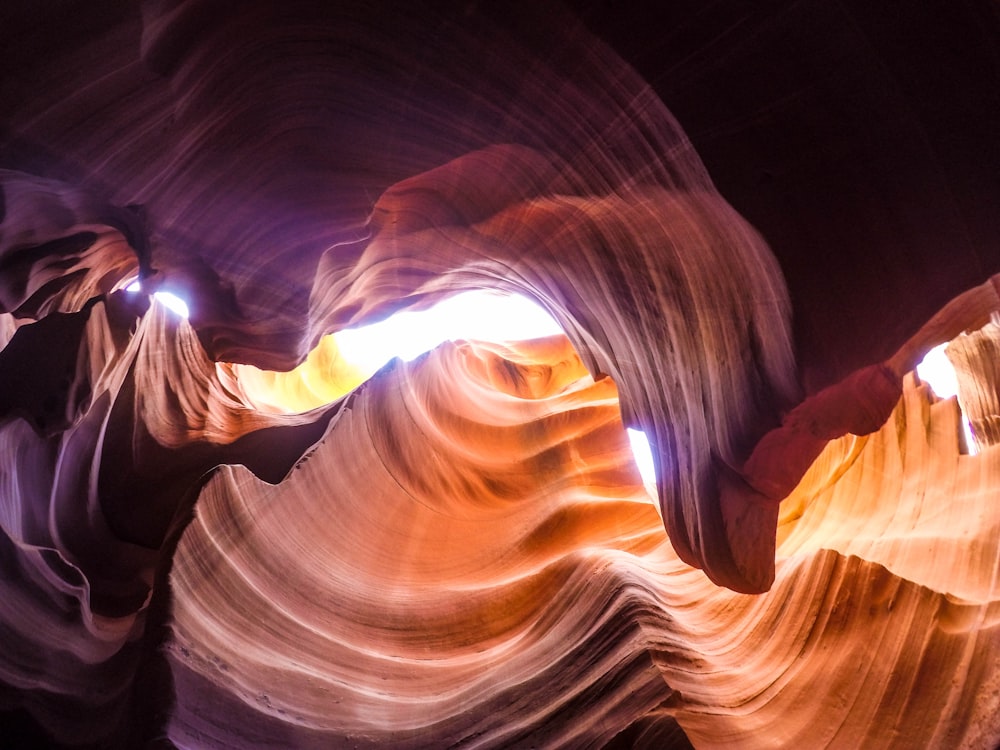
(468,552)
(460,552)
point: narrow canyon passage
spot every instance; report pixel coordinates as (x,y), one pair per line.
(747,225)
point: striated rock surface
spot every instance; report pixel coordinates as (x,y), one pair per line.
(975,358)
(514,589)
(212,537)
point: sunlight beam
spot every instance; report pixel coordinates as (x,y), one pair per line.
(168,299)
(936,370)
(482,316)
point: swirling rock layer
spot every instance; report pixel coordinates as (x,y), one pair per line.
(200,550)
(514,590)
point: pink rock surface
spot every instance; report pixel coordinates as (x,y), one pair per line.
(460,552)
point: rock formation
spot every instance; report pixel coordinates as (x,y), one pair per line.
(203,550)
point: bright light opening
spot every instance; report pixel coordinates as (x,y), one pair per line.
(483,316)
(167,299)
(643,455)
(172,302)
(936,370)
(347,358)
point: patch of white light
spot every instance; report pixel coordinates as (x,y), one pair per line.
(483,316)
(168,300)
(172,302)
(936,370)
(643,460)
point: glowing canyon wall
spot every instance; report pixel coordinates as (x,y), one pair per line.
(200,552)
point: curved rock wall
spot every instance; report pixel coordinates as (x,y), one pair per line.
(460,552)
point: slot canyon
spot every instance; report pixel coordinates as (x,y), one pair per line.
(750,221)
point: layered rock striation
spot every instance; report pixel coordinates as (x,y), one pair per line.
(201,549)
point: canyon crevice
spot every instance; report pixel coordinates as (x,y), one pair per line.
(201,549)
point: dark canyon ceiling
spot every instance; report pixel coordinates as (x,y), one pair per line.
(751,220)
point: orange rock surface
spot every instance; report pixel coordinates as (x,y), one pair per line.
(216,533)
